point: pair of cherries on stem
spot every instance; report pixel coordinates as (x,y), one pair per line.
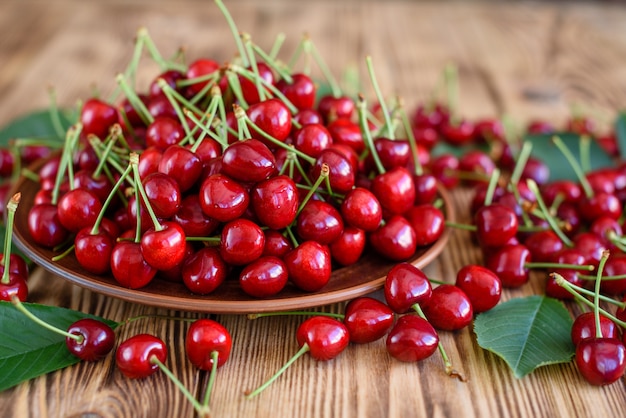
(14,268)
(600,355)
(207,345)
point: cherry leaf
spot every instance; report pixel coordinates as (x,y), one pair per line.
(527,333)
(28,350)
(37,124)
(560,168)
(620,133)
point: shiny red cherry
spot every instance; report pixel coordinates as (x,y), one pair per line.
(133,356)
(204,337)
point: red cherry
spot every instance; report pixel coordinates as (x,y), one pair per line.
(461,133)
(242,242)
(309,266)
(348,248)
(300,92)
(275,202)
(341,175)
(445,169)
(272,116)
(163,194)
(45,227)
(367,319)
(495,224)
(405,286)
(16,286)
(428,223)
(163,132)
(17,265)
(204,337)
(508,263)
(171,77)
(276,244)
(319,221)
(584,327)
(395,190)
(345,132)
(192,218)
(332,108)
(97,118)
(93,251)
(222,198)
(395,240)
(325,337)
(543,245)
(78,209)
(412,339)
(182,165)
(249,161)
(448,308)
(199,68)
(362,209)
(248,87)
(204,271)
(133,356)
(615,266)
(312,139)
(601,361)
(129,267)
(164,248)
(97,341)
(481,285)
(264,277)
(425,188)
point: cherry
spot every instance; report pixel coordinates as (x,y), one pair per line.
(554,290)
(300,91)
(394,190)
(584,327)
(345,132)
(171,77)
(249,161)
(601,361)
(405,286)
(600,204)
(481,285)
(543,245)
(160,106)
(276,244)
(248,87)
(45,227)
(17,265)
(97,117)
(412,339)
(332,108)
(425,188)
(341,176)
(478,163)
(275,201)
(445,169)
(392,153)
(129,267)
(78,209)
(306,116)
(537,170)
(14,287)
(205,337)
(133,356)
(182,165)
(272,116)
(200,68)
(615,266)
(99,184)
(361,209)
(458,134)
(264,277)
(242,241)
(204,271)
(149,161)
(509,264)
(163,132)
(96,339)
(223,198)
(175,274)
(426,136)
(428,223)
(7,162)
(448,308)
(319,221)
(163,194)
(349,246)
(367,319)
(431,116)
(163,248)
(93,250)
(321,336)
(395,240)
(496,224)
(312,139)
(309,266)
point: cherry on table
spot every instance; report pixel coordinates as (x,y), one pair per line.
(495,224)
(427,221)
(204,337)
(481,285)
(448,308)
(601,361)
(412,339)
(367,319)
(405,286)
(133,356)
(129,267)
(97,339)
(584,327)
(509,264)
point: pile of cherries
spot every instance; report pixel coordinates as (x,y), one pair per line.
(240,170)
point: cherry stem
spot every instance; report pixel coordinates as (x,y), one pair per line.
(584,145)
(584,183)
(304,349)
(205,131)
(20,307)
(65,165)
(451,79)
(520,164)
(278,43)
(134,100)
(417,164)
(576,292)
(8,236)
(293,313)
(271,61)
(308,46)
(596,296)
(209,388)
(292,237)
(107,202)
(543,265)
(234,31)
(174,98)
(155,54)
(450,371)
(379,96)
(235,87)
(196,405)
(616,277)
(64,254)
(134,161)
(367,135)
(251,76)
(55,117)
(549,218)
(323,174)
(209,240)
(491,188)
(253,64)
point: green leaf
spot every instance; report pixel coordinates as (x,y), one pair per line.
(560,169)
(37,124)
(527,333)
(28,350)
(620,132)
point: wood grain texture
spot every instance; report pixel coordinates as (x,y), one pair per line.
(524,59)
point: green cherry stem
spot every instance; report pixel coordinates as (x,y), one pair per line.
(271,61)
(379,96)
(584,145)
(212,374)
(596,296)
(247,42)
(491,188)
(8,236)
(55,116)
(584,183)
(107,202)
(367,135)
(65,165)
(134,161)
(134,100)
(323,175)
(419,170)
(303,350)
(234,31)
(196,405)
(20,307)
(277,45)
(550,219)
(520,164)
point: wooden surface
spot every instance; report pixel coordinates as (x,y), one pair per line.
(525,60)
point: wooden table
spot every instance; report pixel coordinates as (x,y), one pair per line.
(523,59)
